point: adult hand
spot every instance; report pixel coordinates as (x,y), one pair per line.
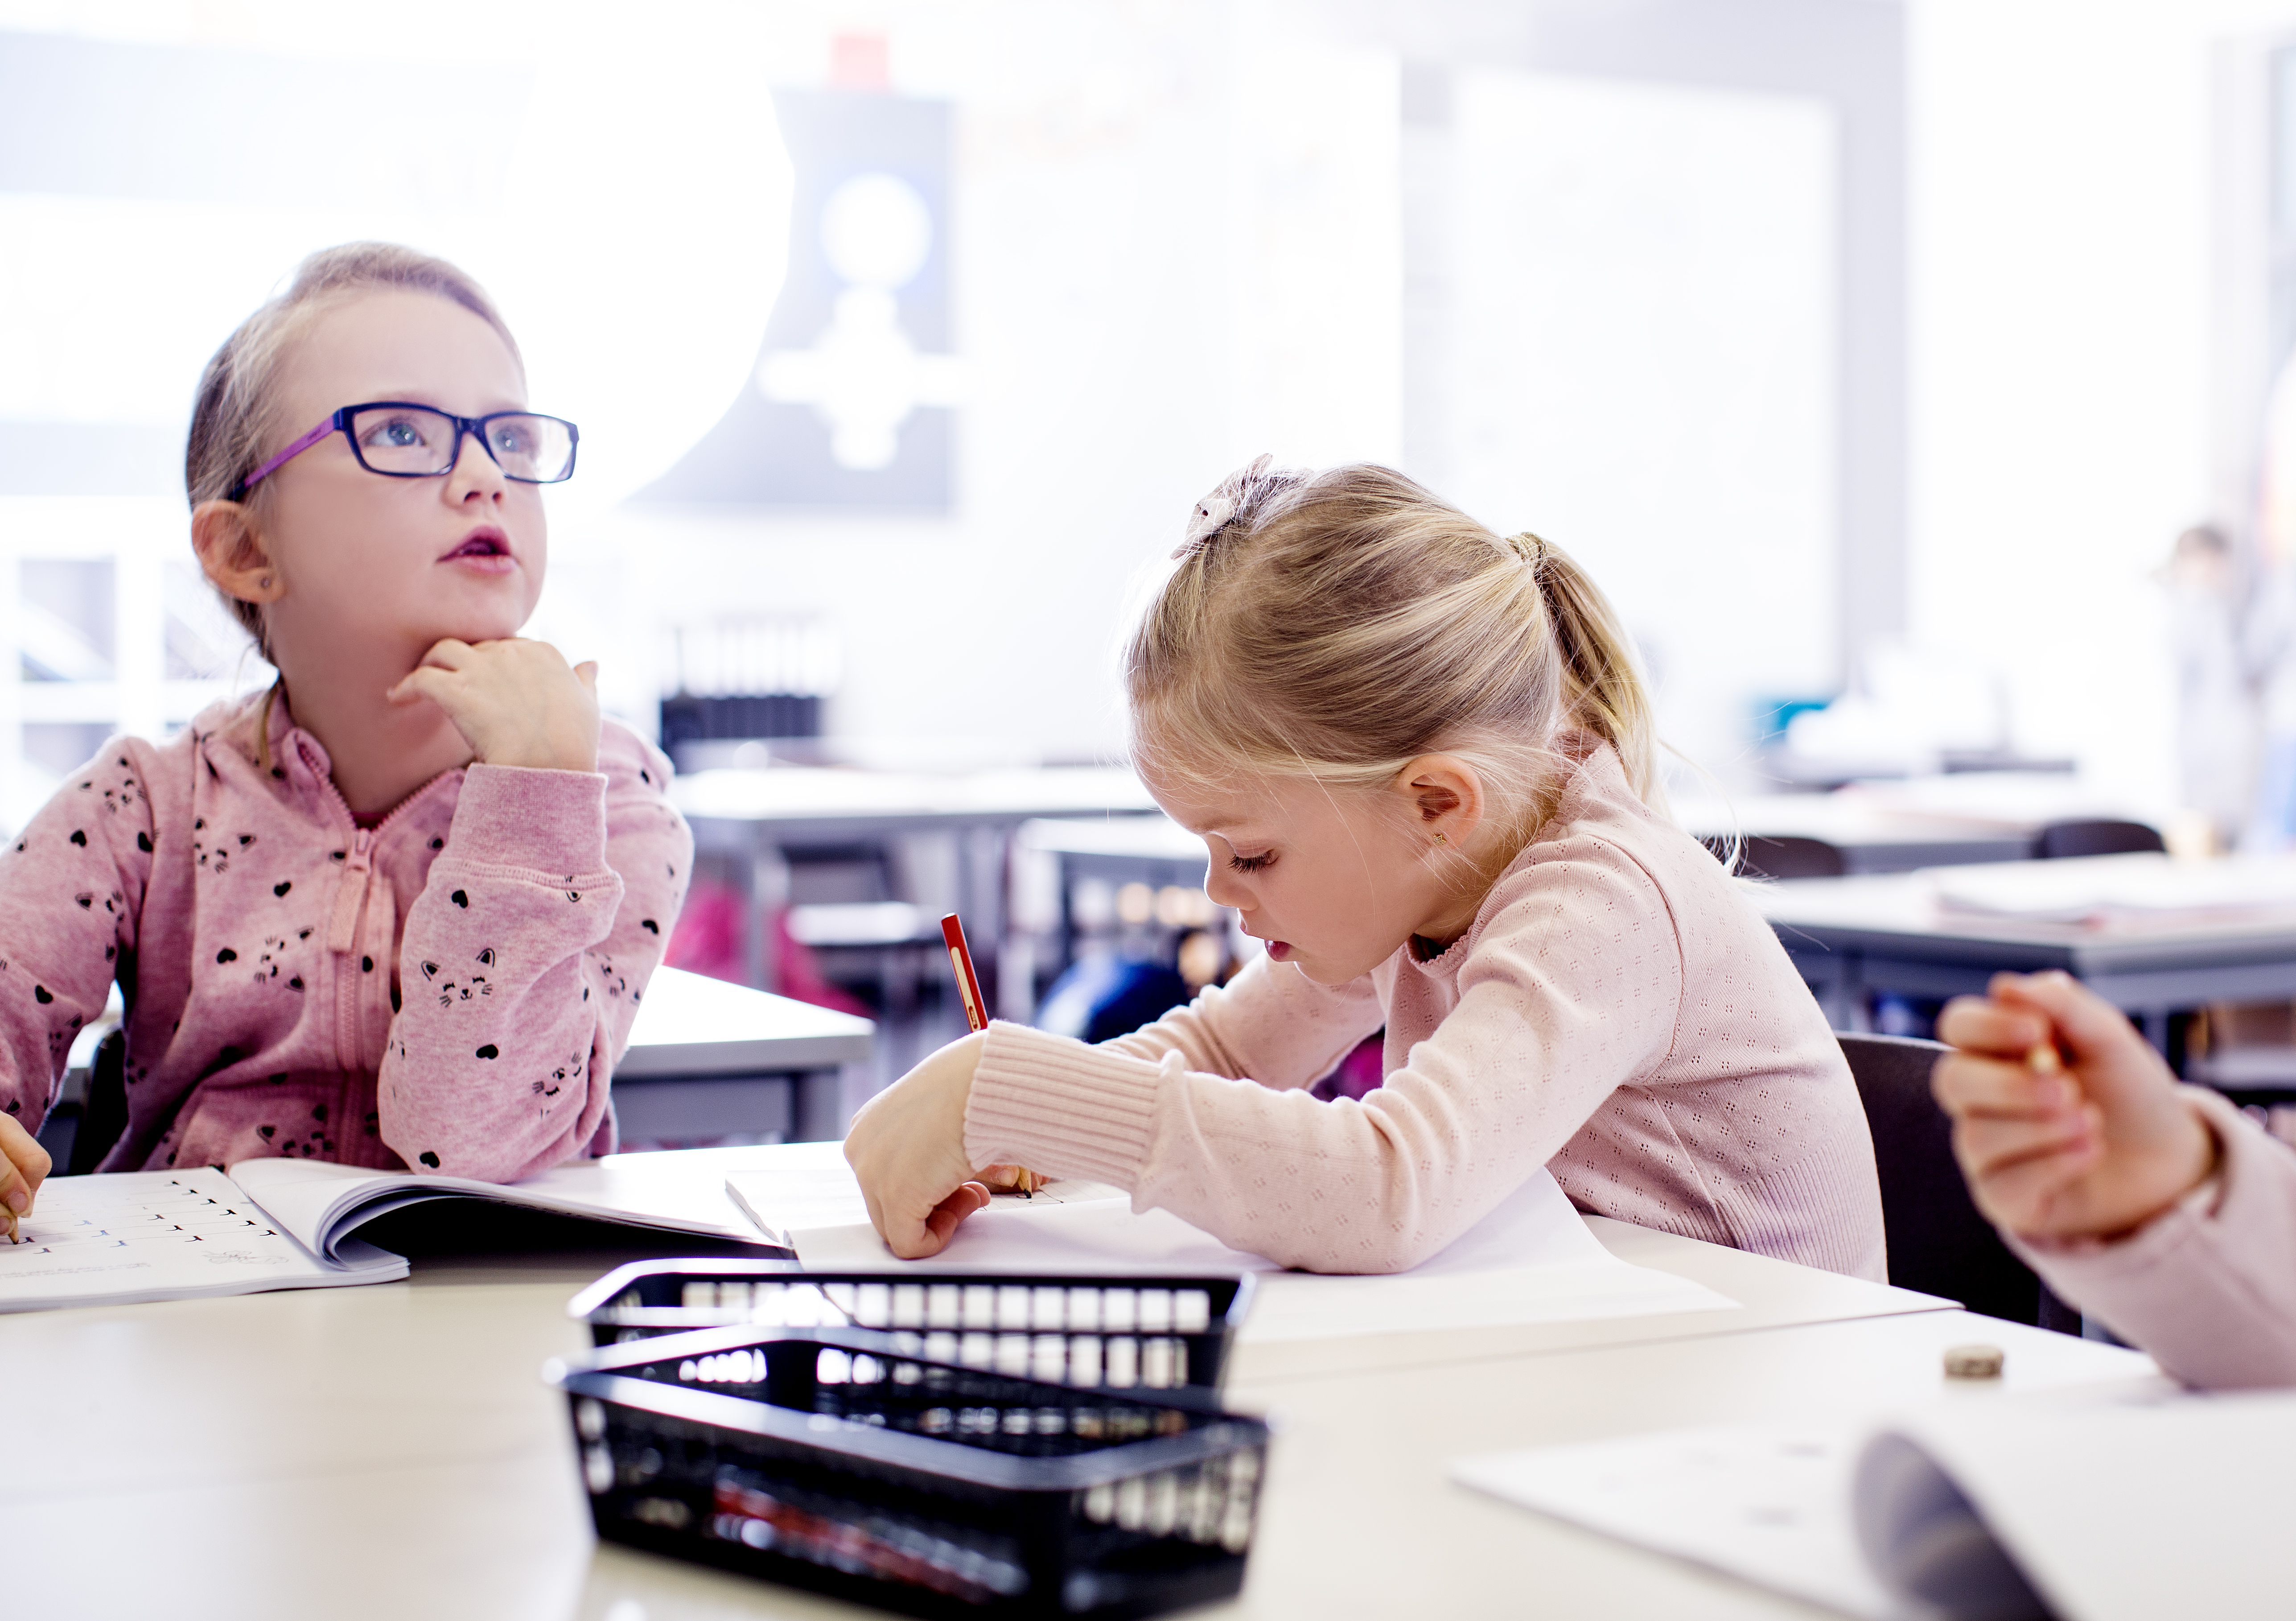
(906,1146)
(2066,1122)
(24,1165)
(515,702)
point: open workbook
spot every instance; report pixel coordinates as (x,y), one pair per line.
(282,1223)
(2121,1502)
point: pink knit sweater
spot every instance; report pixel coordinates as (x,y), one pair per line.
(450,989)
(1617,1012)
(2209,1287)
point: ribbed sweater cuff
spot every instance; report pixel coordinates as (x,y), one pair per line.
(1059,1107)
(528,816)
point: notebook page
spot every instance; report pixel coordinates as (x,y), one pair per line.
(1531,1260)
(812,1198)
(163,1235)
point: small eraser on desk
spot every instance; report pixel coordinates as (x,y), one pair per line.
(1973,1362)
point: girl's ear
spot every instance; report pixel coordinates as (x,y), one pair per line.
(232,554)
(1445,795)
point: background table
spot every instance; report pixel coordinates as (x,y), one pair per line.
(749,819)
(391,1451)
(710,1059)
(705,1059)
(1851,936)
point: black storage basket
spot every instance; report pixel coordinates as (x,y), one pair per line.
(816,1459)
(1154,1333)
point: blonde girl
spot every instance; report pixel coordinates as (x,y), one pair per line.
(1422,766)
(398,910)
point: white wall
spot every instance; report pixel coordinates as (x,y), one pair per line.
(2061,333)
(1176,246)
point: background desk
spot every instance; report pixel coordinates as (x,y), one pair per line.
(710,1059)
(1850,937)
(747,819)
(391,1451)
(705,1059)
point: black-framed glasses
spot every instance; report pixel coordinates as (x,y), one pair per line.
(401,439)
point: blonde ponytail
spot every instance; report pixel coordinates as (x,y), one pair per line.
(1338,625)
(1601,691)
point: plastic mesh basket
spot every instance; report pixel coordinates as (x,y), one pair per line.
(1153,1333)
(817,1458)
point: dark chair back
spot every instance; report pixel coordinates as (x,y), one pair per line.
(1938,1242)
(1785,856)
(104,1116)
(2061,839)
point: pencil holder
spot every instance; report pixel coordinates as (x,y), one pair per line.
(817,1458)
(1148,1333)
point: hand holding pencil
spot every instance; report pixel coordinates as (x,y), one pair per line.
(998,1179)
(906,1144)
(24,1165)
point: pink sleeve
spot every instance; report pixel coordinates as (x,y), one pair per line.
(1546,1028)
(1271,1023)
(2210,1288)
(564,885)
(71,890)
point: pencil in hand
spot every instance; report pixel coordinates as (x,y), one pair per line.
(1025,1181)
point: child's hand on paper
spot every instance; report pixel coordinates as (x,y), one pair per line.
(907,1146)
(2066,1123)
(24,1165)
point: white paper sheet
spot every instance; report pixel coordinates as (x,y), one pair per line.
(163,1235)
(812,1197)
(1767,1503)
(1531,1260)
(2118,1501)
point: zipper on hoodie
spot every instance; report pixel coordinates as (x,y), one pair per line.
(351,901)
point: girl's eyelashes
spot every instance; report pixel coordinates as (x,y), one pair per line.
(1244,863)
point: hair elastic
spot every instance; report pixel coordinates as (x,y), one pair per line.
(1217,510)
(1529,547)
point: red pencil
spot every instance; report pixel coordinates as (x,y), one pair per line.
(968,982)
(976,1013)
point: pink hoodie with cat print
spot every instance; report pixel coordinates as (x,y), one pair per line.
(449,988)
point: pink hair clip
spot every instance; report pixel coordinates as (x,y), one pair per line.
(1215,511)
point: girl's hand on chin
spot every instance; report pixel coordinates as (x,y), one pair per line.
(907,1146)
(515,702)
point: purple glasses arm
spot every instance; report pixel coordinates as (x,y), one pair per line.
(290,452)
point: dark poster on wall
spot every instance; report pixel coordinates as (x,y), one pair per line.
(851,403)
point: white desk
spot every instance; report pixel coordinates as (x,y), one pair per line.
(710,1059)
(389,1451)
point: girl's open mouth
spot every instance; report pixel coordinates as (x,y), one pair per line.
(487,542)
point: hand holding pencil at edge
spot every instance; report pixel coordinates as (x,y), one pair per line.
(906,1144)
(24,1165)
(2066,1123)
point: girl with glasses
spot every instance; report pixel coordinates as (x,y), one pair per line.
(1422,766)
(398,910)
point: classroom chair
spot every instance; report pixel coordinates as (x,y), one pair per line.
(2059,840)
(1784,856)
(78,1135)
(1938,1242)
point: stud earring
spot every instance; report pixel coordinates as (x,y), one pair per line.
(266,586)
(1439,838)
